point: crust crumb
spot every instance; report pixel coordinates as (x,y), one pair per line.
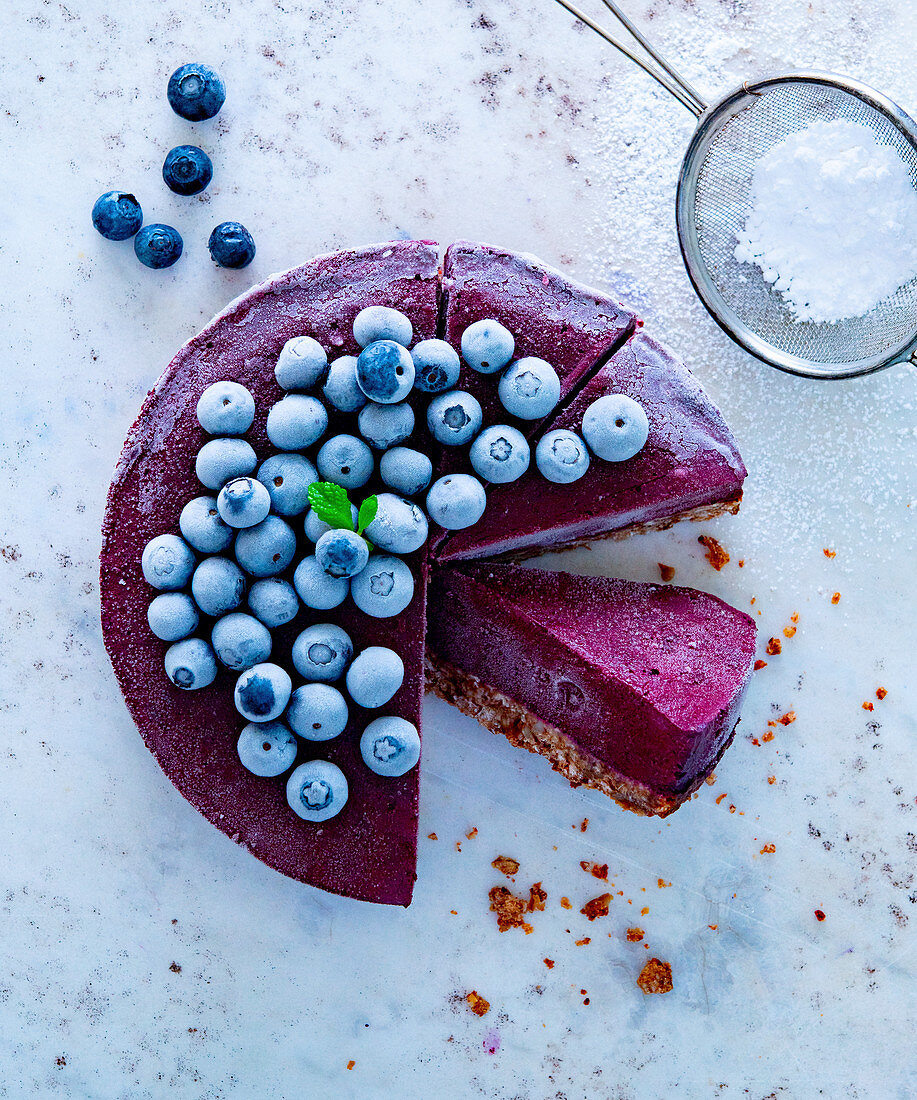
(506,865)
(432,836)
(714,552)
(565,903)
(788,718)
(479,1006)
(768,850)
(472,833)
(881,693)
(759,665)
(351,1064)
(829,553)
(634,935)
(584,825)
(667,572)
(509,908)
(584,940)
(597,870)
(656,977)
(773,647)
(597,907)
(868,706)
(549,963)
(661,882)
(537,897)
(836,598)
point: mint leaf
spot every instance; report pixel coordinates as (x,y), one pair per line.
(367,513)
(329,502)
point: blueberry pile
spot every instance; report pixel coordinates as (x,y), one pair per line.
(196,93)
(237,539)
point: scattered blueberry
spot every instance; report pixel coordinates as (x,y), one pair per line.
(375,676)
(202,526)
(385,425)
(167,562)
(217,586)
(529,388)
(454,418)
(262,692)
(226,408)
(322,652)
(243,502)
(315,527)
(317,712)
(117,215)
(341,553)
(195,92)
(316,589)
(390,746)
(487,346)
(436,366)
(158,245)
(385,372)
(317,790)
(266,748)
(287,478)
(399,526)
(406,470)
(220,460)
(341,388)
(384,588)
(172,616)
(296,422)
(456,501)
(273,602)
(231,245)
(382,323)
(240,641)
(346,461)
(615,427)
(500,454)
(561,456)
(190,664)
(266,549)
(302,361)
(187,170)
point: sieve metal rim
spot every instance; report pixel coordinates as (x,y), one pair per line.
(709,123)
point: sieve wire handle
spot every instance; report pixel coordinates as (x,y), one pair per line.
(662,72)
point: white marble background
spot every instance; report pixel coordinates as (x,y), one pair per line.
(502,122)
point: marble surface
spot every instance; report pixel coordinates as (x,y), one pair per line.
(143,953)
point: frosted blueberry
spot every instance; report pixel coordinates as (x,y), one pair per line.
(316,589)
(317,712)
(390,746)
(346,461)
(287,478)
(385,425)
(190,664)
(217,586)
(487,346)
(341,553)
(315,527)
(385,372)
(266,748)
(296,422)
(382,323)
(561,456)
(384,588)
(317,790)
(273,602)
(201,524)
(529,388)
(240,641)
(172,616)
(399,526)
(615,427)
(267,548)
(167,562)
(340,387)
(220,460)
(436,366)
(262,692)
(454,418)
(375,676)
(322,652)
(405,470)
(456,501)
(117,215)
(500,454)
(243,502)
(226,408)
(302,361)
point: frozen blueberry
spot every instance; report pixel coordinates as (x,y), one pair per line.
(390,746)
(382,323)
(436,366)
(266,549)
(315,527)
(231,245)
(346,461)
(406,470)
(399,526)
(267,748)
(487,346)
(273,602)
(375,676)
(341,553)
(385,372)
(240,641)
(340,386)
(529,388)
(157,245)
(454,418)
(117,215)
(456,501)
(226,408)
(190,664)
(317,712)
(187,170)
(217,586)
(287,478)
(384,588)
(615,427)
(302,361)
(561,456)
(172,616)
(243,502)
(222,459)
(195,92)
(322,652)
(316,589)
(296,422)
(167,562)
(317,790)
(202,526)
(500,454)
(385,425)
(262,692)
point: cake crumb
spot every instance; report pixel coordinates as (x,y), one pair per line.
(549,963)
(711,779)
(719,799)
(789,631)
(667,572)
(881,693)
(506,865)
(769,736)
(432,836)
(768,850)
(537,897)
(713,927)
(819,915)
(772,779)
(656,977)
(644,910)
(509,909)
(634,935)
(714,552)
(660,882)
(868,706)
(787,719)
(829,553)
(741,563)
(565,903)
(351,1064)
(175,968)
(836,598)
(597,870)
(584,825)
(759,665)
(597,907)
(458,845)
(479,1006)
(472,833)
(584,940)
(773,647)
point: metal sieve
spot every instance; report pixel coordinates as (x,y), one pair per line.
(714,200)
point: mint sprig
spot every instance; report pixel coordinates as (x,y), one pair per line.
(329,502)
(367,513)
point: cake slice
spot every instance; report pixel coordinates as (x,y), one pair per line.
(633,689)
